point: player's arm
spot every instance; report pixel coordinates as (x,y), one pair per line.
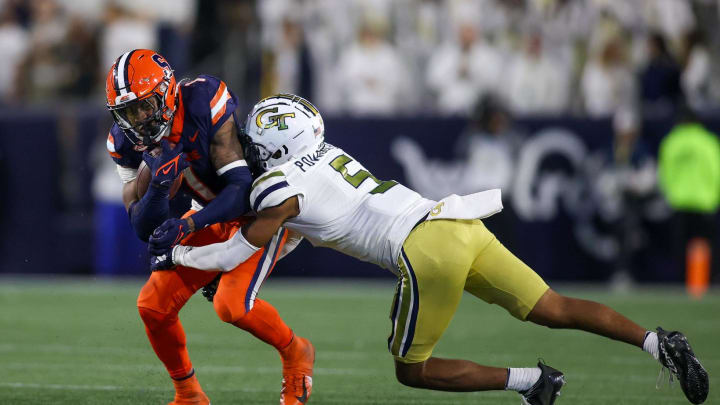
(226,154)
(153,208)
(227,157)
(227,255)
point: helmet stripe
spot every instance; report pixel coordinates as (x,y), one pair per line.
(115,76)
(122,74)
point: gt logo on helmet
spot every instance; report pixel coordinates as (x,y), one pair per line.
(275,120)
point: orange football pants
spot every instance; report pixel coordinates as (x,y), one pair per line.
(235,301)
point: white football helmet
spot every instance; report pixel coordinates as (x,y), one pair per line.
(278,128)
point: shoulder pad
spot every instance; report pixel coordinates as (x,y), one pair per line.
(208,98)
(110,144)
(121,150)
(271,189)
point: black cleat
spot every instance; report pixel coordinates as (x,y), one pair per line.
(209,290)
(546,389)
(678,357)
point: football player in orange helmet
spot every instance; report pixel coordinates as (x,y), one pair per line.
(150,108)
(142,96)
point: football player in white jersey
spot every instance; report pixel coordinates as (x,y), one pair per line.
(438,249)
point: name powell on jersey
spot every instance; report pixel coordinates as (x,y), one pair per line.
(310,159)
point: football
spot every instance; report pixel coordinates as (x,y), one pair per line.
(143,180)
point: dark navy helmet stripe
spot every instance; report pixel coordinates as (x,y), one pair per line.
(125,70)
(115,76)
(267,191)
(122,72)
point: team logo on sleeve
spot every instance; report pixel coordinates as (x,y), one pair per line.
(436,210)
(277,120)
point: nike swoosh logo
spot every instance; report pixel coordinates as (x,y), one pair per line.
(304,396)
(169,166)
(194,137)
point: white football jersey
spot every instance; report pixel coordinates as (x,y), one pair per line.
(342,205)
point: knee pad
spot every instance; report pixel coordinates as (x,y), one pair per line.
(228,310)
(154,320)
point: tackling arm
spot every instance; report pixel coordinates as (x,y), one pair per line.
(227,255)
(227,157)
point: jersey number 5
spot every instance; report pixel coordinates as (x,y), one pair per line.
(355,180)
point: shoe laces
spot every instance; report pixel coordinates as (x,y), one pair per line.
(668,365)
(293,382)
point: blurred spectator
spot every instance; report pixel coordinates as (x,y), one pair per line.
(44,72)
(607,80)
(696,77)
(80,56)
(463,70)
(372,78)
(124,31)
(329,27)
(659,79)
(689,175)
(286,66)
(486,159)
(537,82)
(562,21)
(420,27)
(673,19)
(629,182)
(490,144)
(497,17)
(15,44)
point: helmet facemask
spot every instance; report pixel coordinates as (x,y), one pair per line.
(256,155)
(141,95)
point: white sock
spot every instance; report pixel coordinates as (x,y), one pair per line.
(650,344)
(521,379)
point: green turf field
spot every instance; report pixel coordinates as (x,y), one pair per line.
(82,342)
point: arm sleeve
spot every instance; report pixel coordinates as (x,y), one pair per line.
(223,256)
(151,211)
(232,201)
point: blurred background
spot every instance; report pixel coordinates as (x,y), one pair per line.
(597,118)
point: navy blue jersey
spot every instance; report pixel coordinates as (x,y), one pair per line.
(204,105)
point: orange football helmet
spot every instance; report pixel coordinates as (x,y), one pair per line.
(141,95)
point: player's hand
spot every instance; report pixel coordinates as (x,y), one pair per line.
(167,235)
(166,166)
(162,262)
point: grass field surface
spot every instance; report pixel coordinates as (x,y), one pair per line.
(82,342)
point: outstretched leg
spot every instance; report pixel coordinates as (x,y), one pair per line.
(557,311)
(451,375)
